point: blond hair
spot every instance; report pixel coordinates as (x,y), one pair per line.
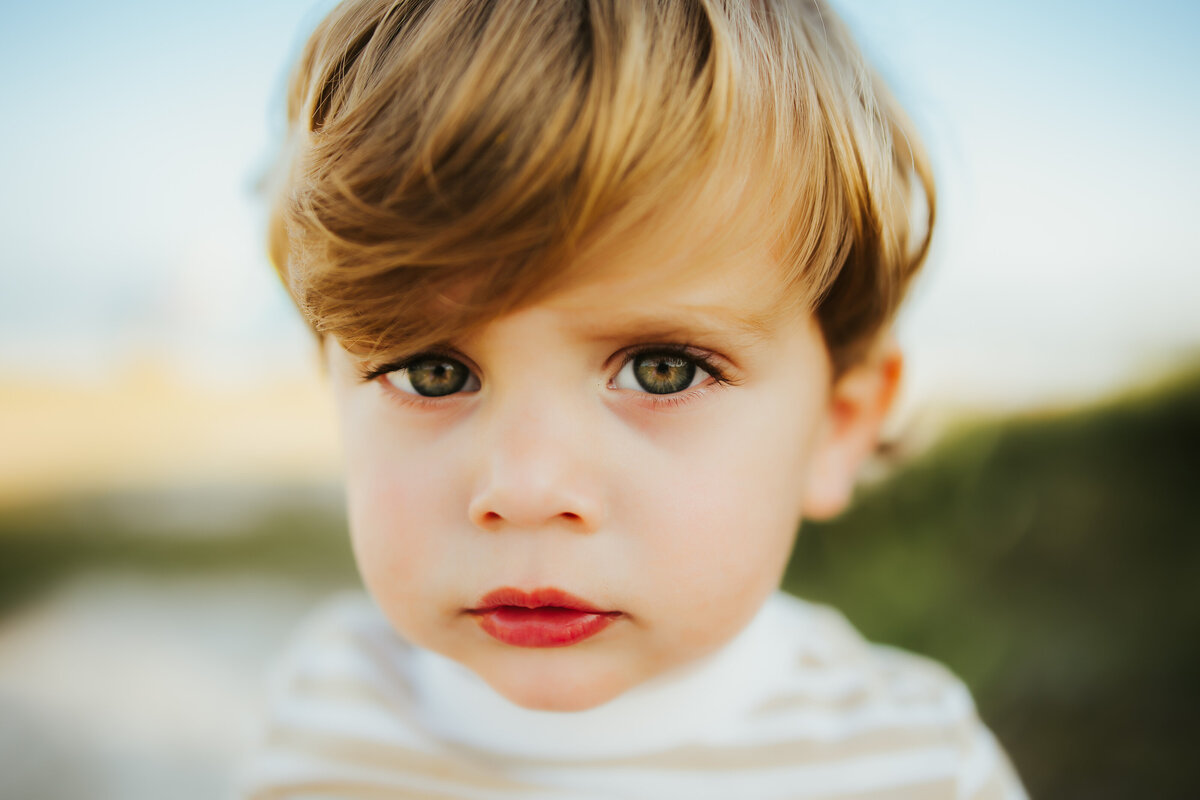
(449,160)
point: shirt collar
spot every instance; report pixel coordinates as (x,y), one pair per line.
(690,704)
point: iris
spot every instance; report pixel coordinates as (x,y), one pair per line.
(664,373)
(437,377)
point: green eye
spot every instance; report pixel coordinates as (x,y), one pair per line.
(433,376)
(660,373)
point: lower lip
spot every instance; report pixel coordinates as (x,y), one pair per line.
(542,627)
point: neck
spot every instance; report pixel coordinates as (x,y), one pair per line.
(700,701)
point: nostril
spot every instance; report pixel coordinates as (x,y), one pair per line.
(528,508)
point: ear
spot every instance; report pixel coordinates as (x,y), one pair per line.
(858,405)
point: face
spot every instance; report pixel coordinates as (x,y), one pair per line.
(642,441)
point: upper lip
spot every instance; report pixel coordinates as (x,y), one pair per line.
(536,598)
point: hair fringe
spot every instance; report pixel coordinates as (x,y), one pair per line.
(435,176)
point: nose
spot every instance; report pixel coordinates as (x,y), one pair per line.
(538,471)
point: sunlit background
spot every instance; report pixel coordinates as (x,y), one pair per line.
(168,463)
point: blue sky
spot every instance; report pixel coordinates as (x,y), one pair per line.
(1063,134)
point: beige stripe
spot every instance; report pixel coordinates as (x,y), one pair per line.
(795,752)
(700,758)
(348,790)
(933,790)
(791,702)
(929,690)
(345,790)
(358,692)
(482,773)
(787,702)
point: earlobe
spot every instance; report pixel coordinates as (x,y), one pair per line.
(858,406)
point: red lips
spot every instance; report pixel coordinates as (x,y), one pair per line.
(542,618)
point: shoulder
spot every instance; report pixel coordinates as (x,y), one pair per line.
(344,655)
(344,623)
(840,689)
(339,688)
(825,644)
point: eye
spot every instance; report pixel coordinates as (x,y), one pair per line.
(433,376)
(661,372)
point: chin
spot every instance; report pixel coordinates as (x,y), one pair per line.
(537,691)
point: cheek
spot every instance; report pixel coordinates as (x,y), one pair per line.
(386,518)
(400,506)
(724,514)
(738,483)
(736,532)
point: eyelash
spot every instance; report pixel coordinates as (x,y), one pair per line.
(379,375)
(703,360)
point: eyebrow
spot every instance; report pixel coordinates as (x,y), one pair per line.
(685,323)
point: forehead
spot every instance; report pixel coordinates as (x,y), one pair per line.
(692,275)
(736,296)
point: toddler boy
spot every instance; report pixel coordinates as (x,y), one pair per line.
(604,290)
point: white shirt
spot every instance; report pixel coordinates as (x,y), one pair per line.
(796,706)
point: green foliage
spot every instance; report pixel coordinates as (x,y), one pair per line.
(297,534)
(1051,562)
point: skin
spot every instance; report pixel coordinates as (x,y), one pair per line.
(556,469)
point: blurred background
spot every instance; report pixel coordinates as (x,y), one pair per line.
(169,505)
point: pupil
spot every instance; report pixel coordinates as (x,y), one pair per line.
(664,374)
(437,378)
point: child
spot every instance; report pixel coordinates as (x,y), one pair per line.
(604,290)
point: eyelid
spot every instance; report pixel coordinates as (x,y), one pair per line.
(367,373)
(415,400)
(401,380)
(705,360)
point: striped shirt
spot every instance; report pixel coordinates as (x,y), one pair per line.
(797,706)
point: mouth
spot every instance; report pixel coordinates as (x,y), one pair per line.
(546,617)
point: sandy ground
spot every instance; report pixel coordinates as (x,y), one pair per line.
(150,429)
(124,687)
